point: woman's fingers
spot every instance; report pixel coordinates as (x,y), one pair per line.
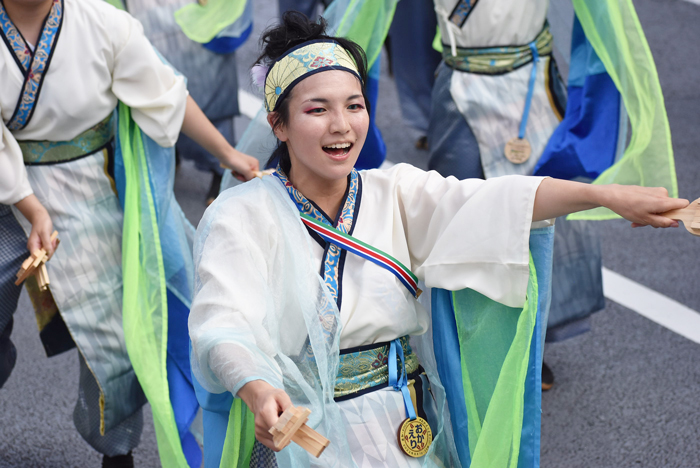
(46,243)
(34,241)
(269,406)
(40,236)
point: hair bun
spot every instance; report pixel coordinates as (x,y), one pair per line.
(295,29)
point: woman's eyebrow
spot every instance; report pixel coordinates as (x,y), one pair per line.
(324,100)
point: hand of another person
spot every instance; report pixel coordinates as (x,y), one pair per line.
(42,226)
(241,165)
(643,205)
(267,404)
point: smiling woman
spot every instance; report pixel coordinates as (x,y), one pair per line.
(307,288)
(325,131)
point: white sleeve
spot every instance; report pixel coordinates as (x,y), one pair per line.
(14,185)
(468,234)
(156,95)
(231,343)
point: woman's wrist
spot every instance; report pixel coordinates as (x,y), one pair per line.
(603,195)
(31,208)
(249,392)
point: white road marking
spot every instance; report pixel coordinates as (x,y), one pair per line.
(655,306)
(697,2)
(646,302)
(249,104)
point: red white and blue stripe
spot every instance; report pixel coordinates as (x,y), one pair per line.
(366,251)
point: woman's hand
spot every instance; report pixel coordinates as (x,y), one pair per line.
(267,404)
(641,205)
(241,165)
(42,226)
(200,129)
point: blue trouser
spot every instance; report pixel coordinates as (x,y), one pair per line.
(414,60)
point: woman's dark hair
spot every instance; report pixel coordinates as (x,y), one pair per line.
(296,29)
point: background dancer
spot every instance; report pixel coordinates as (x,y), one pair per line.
(84,56)
(499,83)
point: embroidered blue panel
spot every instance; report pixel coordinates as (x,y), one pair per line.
(14,41)
(34,66)
(461,11)
(331,263)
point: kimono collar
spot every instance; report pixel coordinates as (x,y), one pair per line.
(33,65)
(344,221)
(333,262)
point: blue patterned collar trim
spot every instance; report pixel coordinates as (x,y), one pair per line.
(333,256)
(34,65)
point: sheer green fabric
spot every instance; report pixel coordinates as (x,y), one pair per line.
(239,447)
(613,29)
(116,4)
(495,345)
(145,308)
(203,23)
(364,21)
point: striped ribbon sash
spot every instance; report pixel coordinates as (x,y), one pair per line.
(366,251)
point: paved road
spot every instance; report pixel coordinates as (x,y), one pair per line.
(626,394)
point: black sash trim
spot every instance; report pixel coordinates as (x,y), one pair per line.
(461,11)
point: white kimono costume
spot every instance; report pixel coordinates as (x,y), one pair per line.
(480,102)
(492,96)
(100,57)
(258,300)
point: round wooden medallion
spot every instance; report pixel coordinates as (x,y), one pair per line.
(415,437)
(518,150)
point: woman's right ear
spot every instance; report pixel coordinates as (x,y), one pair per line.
(276,129)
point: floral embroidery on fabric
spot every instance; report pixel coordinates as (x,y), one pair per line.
(461,11)
(49,152)
(320,62)
(331,267)
(497,60)
(361,370)
(36,69)
(14,41)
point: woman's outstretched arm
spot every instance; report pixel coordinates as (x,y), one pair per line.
(198,127)
(641,205)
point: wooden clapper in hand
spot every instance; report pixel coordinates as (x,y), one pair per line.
(292,426)
(36,264)
(690,215)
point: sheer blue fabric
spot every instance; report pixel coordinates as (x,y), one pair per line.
(176,238)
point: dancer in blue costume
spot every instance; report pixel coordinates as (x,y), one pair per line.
(64,66)
(499,81)
(306,285)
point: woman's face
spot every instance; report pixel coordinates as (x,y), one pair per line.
(327,126)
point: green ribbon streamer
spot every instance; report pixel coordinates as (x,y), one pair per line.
(495,345)
(145,306)
(613,29)
(203,23)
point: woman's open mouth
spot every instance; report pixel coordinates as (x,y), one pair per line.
(338,149)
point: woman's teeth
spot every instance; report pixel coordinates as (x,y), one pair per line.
(338,148)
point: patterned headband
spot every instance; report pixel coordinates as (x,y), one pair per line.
(301,62)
